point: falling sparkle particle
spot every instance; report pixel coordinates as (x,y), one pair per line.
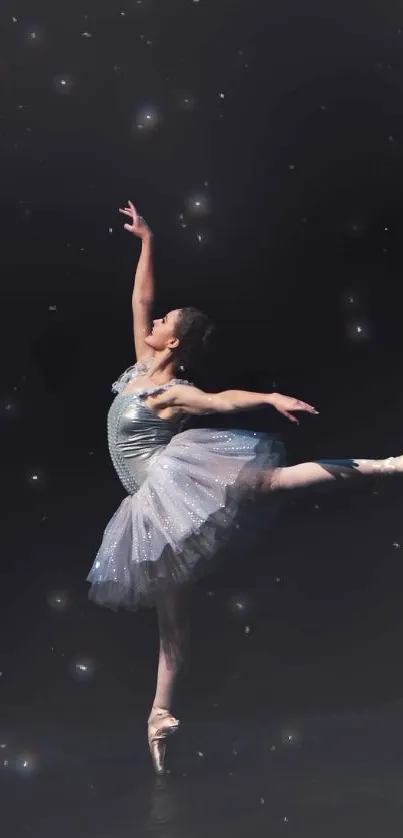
(198,205)
(26,764)
(291,167)
(15,19)
(222,95)
(359,331)
(285,820)
(247,629)
(58,601)
(356,227)
(35,37)
(9,408)
(186,102)
(323,107)
(86,35)
(182,221)
(52,308)
(63,84)
(200,754)
(110,230)
(351,299)
(396,545)
(239,605)
(262,801)
(35,478)
(83,669)
(147,119)
(289,738)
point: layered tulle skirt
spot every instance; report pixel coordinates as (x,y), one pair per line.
(171,531)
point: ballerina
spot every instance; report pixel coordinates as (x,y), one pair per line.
(184,487)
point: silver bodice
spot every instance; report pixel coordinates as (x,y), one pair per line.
(136,435)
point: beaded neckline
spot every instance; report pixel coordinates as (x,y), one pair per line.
(140,369)
(151,391)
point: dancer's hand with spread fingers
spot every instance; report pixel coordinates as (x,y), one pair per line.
(287,406)
(137,226)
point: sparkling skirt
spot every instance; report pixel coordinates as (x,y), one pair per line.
(170,531)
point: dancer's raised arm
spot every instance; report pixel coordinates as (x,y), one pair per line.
(143,291)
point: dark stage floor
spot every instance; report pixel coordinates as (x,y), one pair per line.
(291,705)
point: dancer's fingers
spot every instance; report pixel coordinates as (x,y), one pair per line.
(308,407)
(291,417)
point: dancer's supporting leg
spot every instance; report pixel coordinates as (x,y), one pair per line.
(321,471)
(172,611)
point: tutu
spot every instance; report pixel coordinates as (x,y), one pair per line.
(169,530)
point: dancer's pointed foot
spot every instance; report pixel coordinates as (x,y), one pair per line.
(393,465)
(161,724)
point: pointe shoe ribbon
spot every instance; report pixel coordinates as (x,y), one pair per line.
(161,724)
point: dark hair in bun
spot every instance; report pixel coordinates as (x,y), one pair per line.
(193,329)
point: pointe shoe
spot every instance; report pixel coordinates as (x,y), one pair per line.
(392,465)
(161,724)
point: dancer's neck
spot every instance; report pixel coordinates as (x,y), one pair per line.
(162,369)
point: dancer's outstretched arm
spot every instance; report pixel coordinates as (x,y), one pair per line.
(190,399)
(144,286)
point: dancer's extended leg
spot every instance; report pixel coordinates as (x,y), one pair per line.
(172,610)
(321,471)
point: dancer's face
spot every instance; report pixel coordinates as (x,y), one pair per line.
(162,335)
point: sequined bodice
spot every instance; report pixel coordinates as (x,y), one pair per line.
(136,435)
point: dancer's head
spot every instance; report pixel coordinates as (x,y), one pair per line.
(184,333)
